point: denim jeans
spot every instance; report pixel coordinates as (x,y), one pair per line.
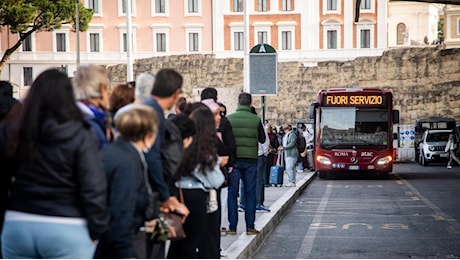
(290,168)
(27,239)
(260,188)
(246,170)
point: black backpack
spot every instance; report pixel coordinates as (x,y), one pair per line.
(301,143)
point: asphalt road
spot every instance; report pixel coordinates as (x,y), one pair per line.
(413,214)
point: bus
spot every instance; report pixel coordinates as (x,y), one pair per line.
(354,131)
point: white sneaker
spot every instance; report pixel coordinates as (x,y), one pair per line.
(449,167)
(291,184)
(223,253)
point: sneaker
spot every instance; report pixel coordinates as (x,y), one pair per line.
(449,167)
(231,232)
(252,231)
(262,209)
(291,184)
(223,231)
(241,208)
(223,253)
(299,170)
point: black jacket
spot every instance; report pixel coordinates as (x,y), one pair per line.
(127,196)
(66,178)
(172,151)
(228,140)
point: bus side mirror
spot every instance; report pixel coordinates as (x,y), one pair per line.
(311,112)
(395,116)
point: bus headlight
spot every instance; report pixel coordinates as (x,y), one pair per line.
(385,160)
(323,160)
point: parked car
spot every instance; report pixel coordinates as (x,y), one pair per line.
(432,146)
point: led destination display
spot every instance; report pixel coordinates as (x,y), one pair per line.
(354,100)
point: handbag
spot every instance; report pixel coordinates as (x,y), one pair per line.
(165,221)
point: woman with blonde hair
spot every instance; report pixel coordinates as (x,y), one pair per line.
(128,185)
(91,88)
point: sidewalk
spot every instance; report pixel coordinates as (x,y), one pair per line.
(278,200)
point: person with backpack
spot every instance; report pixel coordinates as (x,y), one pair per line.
(289,146)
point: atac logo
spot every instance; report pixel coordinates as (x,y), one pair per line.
(367,154)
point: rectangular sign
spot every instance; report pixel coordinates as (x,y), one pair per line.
(354,100)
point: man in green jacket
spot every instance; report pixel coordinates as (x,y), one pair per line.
(248,131)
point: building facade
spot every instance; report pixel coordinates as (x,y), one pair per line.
(452,26)
(307,31)
(419,27)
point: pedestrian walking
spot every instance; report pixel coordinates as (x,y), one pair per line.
(58,206)
(451,148)
(128,186)
(248,131)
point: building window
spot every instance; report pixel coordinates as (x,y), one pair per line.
(237,5)
(94,4)
(26,43)
(332,39)
(125,42)
(238,41)
(401,32)
(331,5)
(161,42)
(458,26)
(60,42)
(193,6)
(28,75)
(286,5)
(160,6)
(365,38)
(193,42)
(94,45)
(286,41)
(124,7)
(262,37)
(365,4)
(261,5)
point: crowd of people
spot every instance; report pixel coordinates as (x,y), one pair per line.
(102,164)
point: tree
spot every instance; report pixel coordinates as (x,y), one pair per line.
(29,16)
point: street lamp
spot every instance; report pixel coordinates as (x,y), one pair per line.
(77,28)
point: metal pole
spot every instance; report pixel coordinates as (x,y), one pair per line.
(263,109)
(77,28)
(129,47)
(246,46)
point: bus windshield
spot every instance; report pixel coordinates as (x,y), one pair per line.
(353,127)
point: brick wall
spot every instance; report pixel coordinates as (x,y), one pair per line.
(424,81)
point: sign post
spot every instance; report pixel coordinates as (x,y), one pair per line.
(263,66)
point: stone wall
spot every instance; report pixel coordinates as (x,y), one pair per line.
(424,81)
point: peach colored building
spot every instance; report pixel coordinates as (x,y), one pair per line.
(307,31)
(452,26)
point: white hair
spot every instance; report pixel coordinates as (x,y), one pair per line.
(144,85)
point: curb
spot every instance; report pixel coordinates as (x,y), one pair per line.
(245,246)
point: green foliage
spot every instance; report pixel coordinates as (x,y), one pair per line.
(42,15)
